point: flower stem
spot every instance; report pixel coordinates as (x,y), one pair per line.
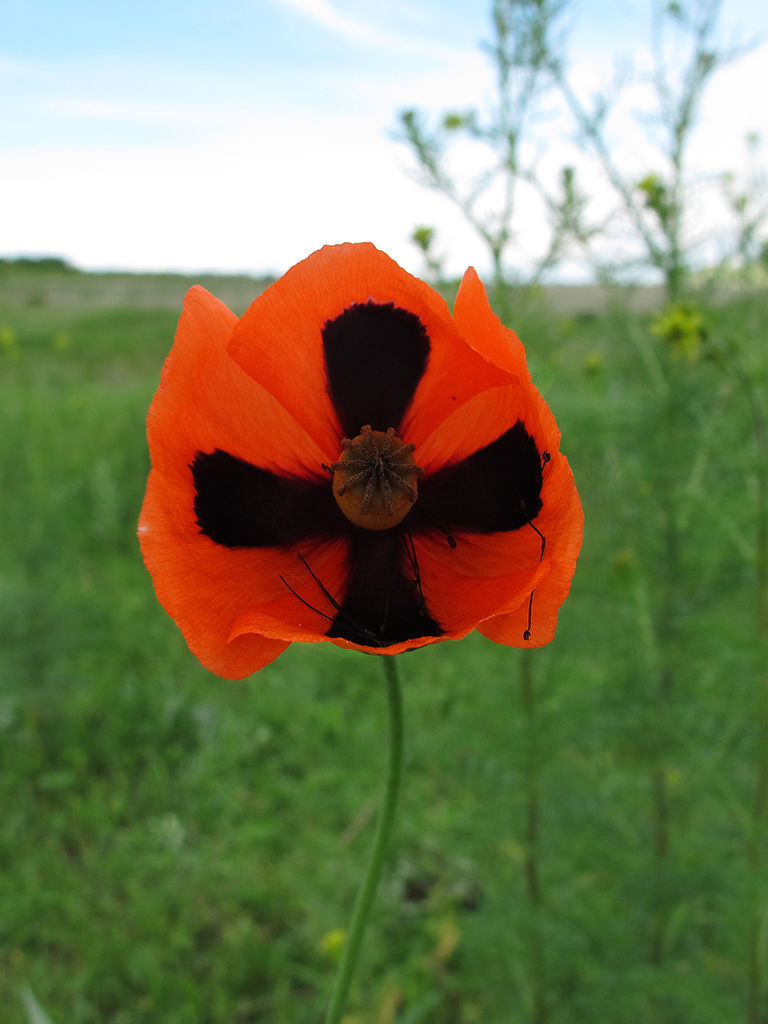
(532,849)
(756,980)
(367,893)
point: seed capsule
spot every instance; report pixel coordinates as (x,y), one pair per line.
(375,478)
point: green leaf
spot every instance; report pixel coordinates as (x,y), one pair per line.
(419,1011)
(35,1013)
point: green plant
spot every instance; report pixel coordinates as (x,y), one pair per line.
(521,52)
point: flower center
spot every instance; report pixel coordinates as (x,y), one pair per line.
(374,480)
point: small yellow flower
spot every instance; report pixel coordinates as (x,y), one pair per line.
(682,327)
(448,936)
(332,943)
(9,343)
(593,363)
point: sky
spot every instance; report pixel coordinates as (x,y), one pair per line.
(241,135)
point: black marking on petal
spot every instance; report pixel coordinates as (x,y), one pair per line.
(242,506)
(384,604)
(496,488)
(375,355)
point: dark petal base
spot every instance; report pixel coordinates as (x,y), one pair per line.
(241,506)
(384,604)
(496,488)
(375,356)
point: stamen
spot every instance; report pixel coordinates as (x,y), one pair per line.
(527,632)
(366,636)
(410,550)
(451,540)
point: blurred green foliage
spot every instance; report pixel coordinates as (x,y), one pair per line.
(175,848)
(36,265)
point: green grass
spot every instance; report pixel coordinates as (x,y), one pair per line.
(177,849)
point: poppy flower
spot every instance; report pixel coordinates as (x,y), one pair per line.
(350,463)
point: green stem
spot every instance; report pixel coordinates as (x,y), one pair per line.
(756,981)
(367,893)
(533,886)
(667,629)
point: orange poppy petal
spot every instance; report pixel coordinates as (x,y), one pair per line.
(205,401)
(460,602)
(398,648)
(484,331)
(498,344)
(302,608)
(279,339)
(240,590)
(203,586)
(491,412)
(478,422)
(493,555)
(562,523)
(483,555)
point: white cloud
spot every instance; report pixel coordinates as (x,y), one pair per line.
(258,199)
(260,182)
(145,113)
(322,11)
(424,47)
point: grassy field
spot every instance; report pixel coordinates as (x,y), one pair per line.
(578,843)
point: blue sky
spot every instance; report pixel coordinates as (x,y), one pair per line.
(241,135)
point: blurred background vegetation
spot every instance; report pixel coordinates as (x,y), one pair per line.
(582,833)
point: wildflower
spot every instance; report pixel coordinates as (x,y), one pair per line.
(349,463)
(681,325)
(9,343)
